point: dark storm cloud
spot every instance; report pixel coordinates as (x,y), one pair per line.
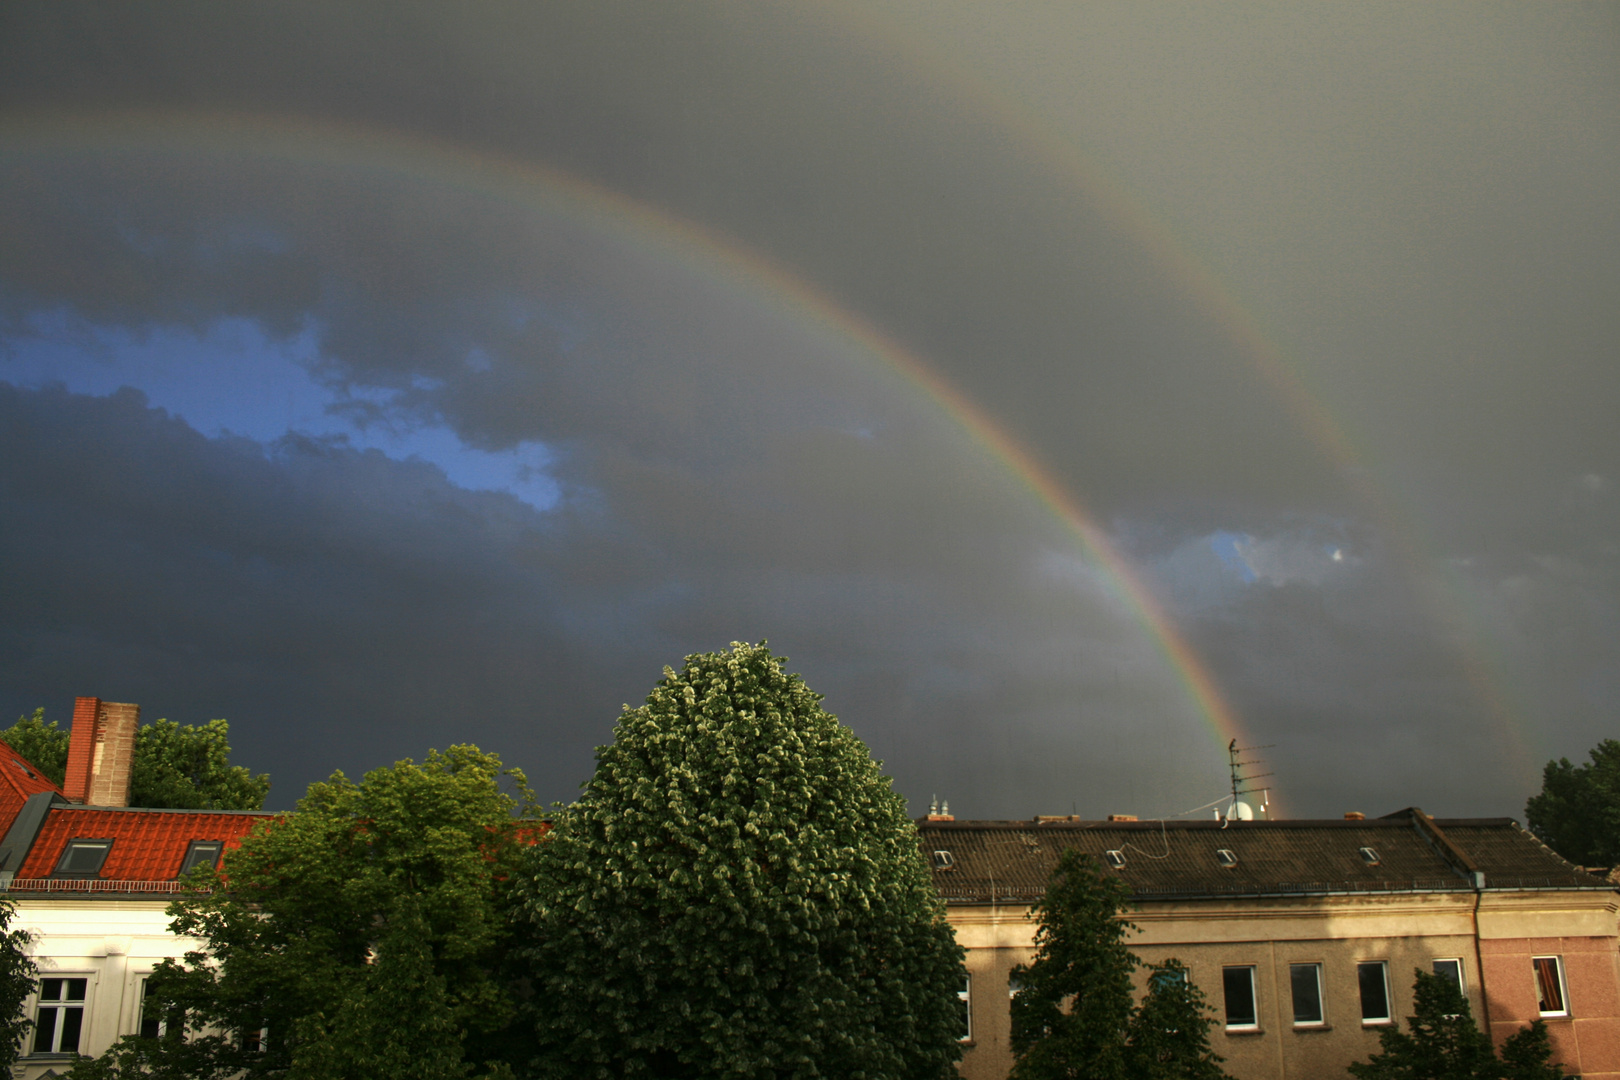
(1415,205)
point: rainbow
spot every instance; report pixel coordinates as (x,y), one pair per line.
(1446,597)
(507,179)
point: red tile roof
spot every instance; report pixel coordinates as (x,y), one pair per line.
(18,780)
(148,845)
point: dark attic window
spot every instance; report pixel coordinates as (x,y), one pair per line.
(83,858)
(1225,857)
(201,853)
(1116,859)
(1369,856)
(943,861)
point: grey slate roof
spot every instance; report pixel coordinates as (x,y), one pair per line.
(1010,861)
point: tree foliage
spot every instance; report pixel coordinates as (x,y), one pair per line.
(1073,1016)
(365,935)
(739,893)
(17,974)
(1442,1042)
(1577,812)
(176,766)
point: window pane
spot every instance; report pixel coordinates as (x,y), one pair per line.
(50,989)
(1238,986)
(1374,991)
(1549,985)
(1307,993)
(71,1020)
(1451,970)
(965,997)
(74,989)
(84,858)
(44,1031)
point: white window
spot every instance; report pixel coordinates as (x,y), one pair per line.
(1452,972)
(965,996)
(1550,988)
(1306,982)
(1373,975)
(1015,984)
(153,1024)
(59,1016)
(1237,985)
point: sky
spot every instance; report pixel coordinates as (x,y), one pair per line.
(1066,390)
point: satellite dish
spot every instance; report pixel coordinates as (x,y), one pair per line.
(1240,811)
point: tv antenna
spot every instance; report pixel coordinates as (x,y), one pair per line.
(1242,778)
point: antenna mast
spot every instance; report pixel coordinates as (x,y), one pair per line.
(1241,779)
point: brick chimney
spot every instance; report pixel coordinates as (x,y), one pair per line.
(101,752)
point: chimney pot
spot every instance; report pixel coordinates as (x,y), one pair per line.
(1354,815)
(1121,817)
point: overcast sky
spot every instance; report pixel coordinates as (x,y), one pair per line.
(383,376)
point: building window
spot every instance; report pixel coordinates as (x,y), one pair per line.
(1116,859)
(83,858)
(60,1016)
(1225,857)
(1015,984)
(1237,983)
(1307,986)
(1550,986)
(965,996)
(1452,972)
(201,853)
(1373,975)
(1369,856)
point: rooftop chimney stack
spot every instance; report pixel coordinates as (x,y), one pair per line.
(101,752)
(1354,815)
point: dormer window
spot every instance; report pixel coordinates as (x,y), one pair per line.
(201,853)
(1369,856)
(83,858)
(1225,857)
(1116,859)
(943,861)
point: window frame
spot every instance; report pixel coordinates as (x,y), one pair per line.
(1383,975)
(63,872)
(186,865)
(1462,972)
(1293,994)
(965,997)
(1563,986)
(1254,998)
(58,1006)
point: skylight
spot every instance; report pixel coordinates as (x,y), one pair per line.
(1116,859)
(1369,856)
(1225,857)
(943,861)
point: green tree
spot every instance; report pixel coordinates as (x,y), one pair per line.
(1577,812)
(178,766)
(365,935)
(1442,1042)
(1168,1037)
(739,893)
(17,974)
(1073,1016)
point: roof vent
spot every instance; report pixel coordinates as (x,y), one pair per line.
(1116,859)
(1369,856)
(943,861)
(1225,857)
(1354,815)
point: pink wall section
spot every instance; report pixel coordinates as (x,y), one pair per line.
(1587,1042)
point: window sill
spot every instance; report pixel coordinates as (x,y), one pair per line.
(1377,1023)
(1241,1032)
(1555,1018)
(1306,1029)
(967,1042)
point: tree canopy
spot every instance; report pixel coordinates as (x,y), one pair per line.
(1577,812)
(1442,1042)
(738,892)
(365,935)
(1073,1015)
(176,766)
(17,972)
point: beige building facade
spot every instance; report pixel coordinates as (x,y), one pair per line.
(1304,935)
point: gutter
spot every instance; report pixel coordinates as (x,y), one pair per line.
(1460,860)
